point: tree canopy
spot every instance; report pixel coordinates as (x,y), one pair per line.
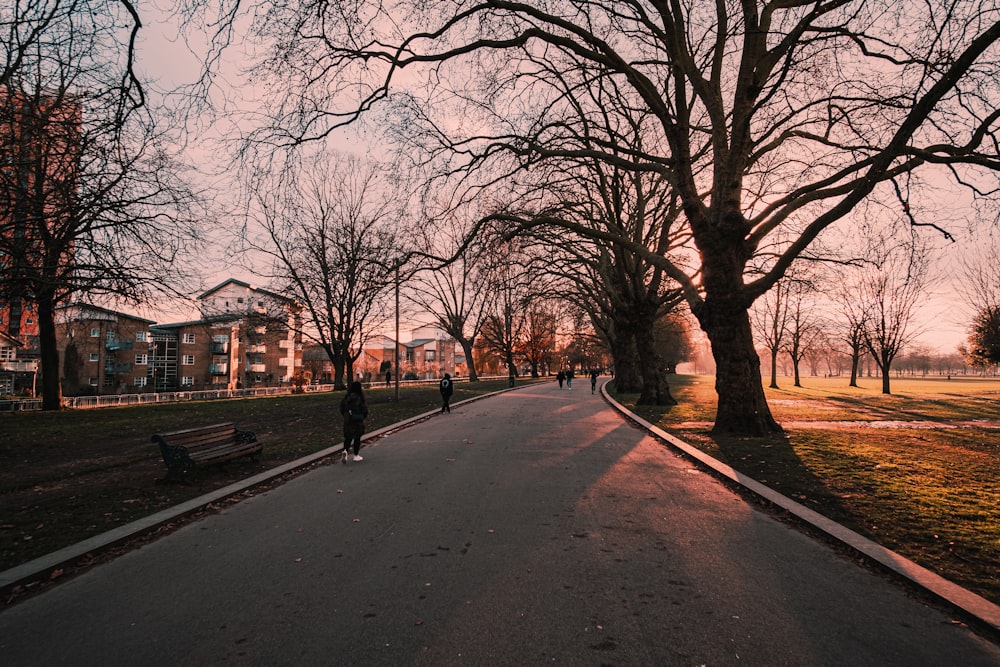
(771,120)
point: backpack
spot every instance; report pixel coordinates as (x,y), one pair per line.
(355,407)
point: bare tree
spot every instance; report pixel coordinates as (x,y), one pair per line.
(769,318)
(777,118)
(328,227)
(513,279)
(537,344)
(891,289)
(980,289)
(91,204)
(595,204)
(455,292)
(804,329)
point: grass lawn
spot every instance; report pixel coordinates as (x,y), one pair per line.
(917,471)
(69,475)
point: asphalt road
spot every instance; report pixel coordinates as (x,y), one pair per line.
(534,527)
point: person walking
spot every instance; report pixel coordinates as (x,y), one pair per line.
(560,378)
(569,378)
(447,388)
(388,378)
(354,408)
(593,380)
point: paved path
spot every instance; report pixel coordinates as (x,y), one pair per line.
(535,527)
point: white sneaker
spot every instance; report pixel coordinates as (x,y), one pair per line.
(358,458)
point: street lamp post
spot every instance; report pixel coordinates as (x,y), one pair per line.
(396,342)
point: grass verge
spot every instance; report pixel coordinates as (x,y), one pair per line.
(66,476)
(915,471)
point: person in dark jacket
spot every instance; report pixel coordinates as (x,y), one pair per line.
(354,408)
(447,388)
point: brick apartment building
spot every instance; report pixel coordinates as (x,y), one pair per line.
(246,337)
(101,351)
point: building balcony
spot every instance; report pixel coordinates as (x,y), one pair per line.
(220,348)
(258,349)
(117,369)
(119,344)
(258,368)
(14,366)
(218,369)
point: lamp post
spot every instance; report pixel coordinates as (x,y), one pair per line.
(396,342)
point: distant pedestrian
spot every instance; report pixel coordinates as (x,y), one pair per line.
(561,377)
(593,381)
(569,378)
(388,378)
(447,388)
(355,410)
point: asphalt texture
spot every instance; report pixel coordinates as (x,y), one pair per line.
(533,527)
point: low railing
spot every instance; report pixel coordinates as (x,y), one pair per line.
(124,400)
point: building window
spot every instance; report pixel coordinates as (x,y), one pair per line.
(140,381)
(95,333)
(93,382)
(429,355)
(189,338)
(239,300)
(141,359)
(6,354)
(188,360)
(187,381)
(95,356)
(141,336)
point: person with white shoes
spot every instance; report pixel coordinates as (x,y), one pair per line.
(354,408)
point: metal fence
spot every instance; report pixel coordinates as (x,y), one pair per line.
(124,400)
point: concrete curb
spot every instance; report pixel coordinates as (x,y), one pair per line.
(43,567)
(966,601)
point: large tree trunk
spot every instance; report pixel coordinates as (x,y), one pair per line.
(49,352)
(655,390)
(626,361)
(339,368)
(855,363)
(466,344)
(742,407)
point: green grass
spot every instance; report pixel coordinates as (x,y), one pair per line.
(904,476)
(66,476)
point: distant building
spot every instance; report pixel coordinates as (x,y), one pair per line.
(196,355)
(265,349)
(102,351)
(428,355)
(247,337)
(39,169)
(17,376)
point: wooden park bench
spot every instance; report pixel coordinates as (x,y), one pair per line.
(185,450)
